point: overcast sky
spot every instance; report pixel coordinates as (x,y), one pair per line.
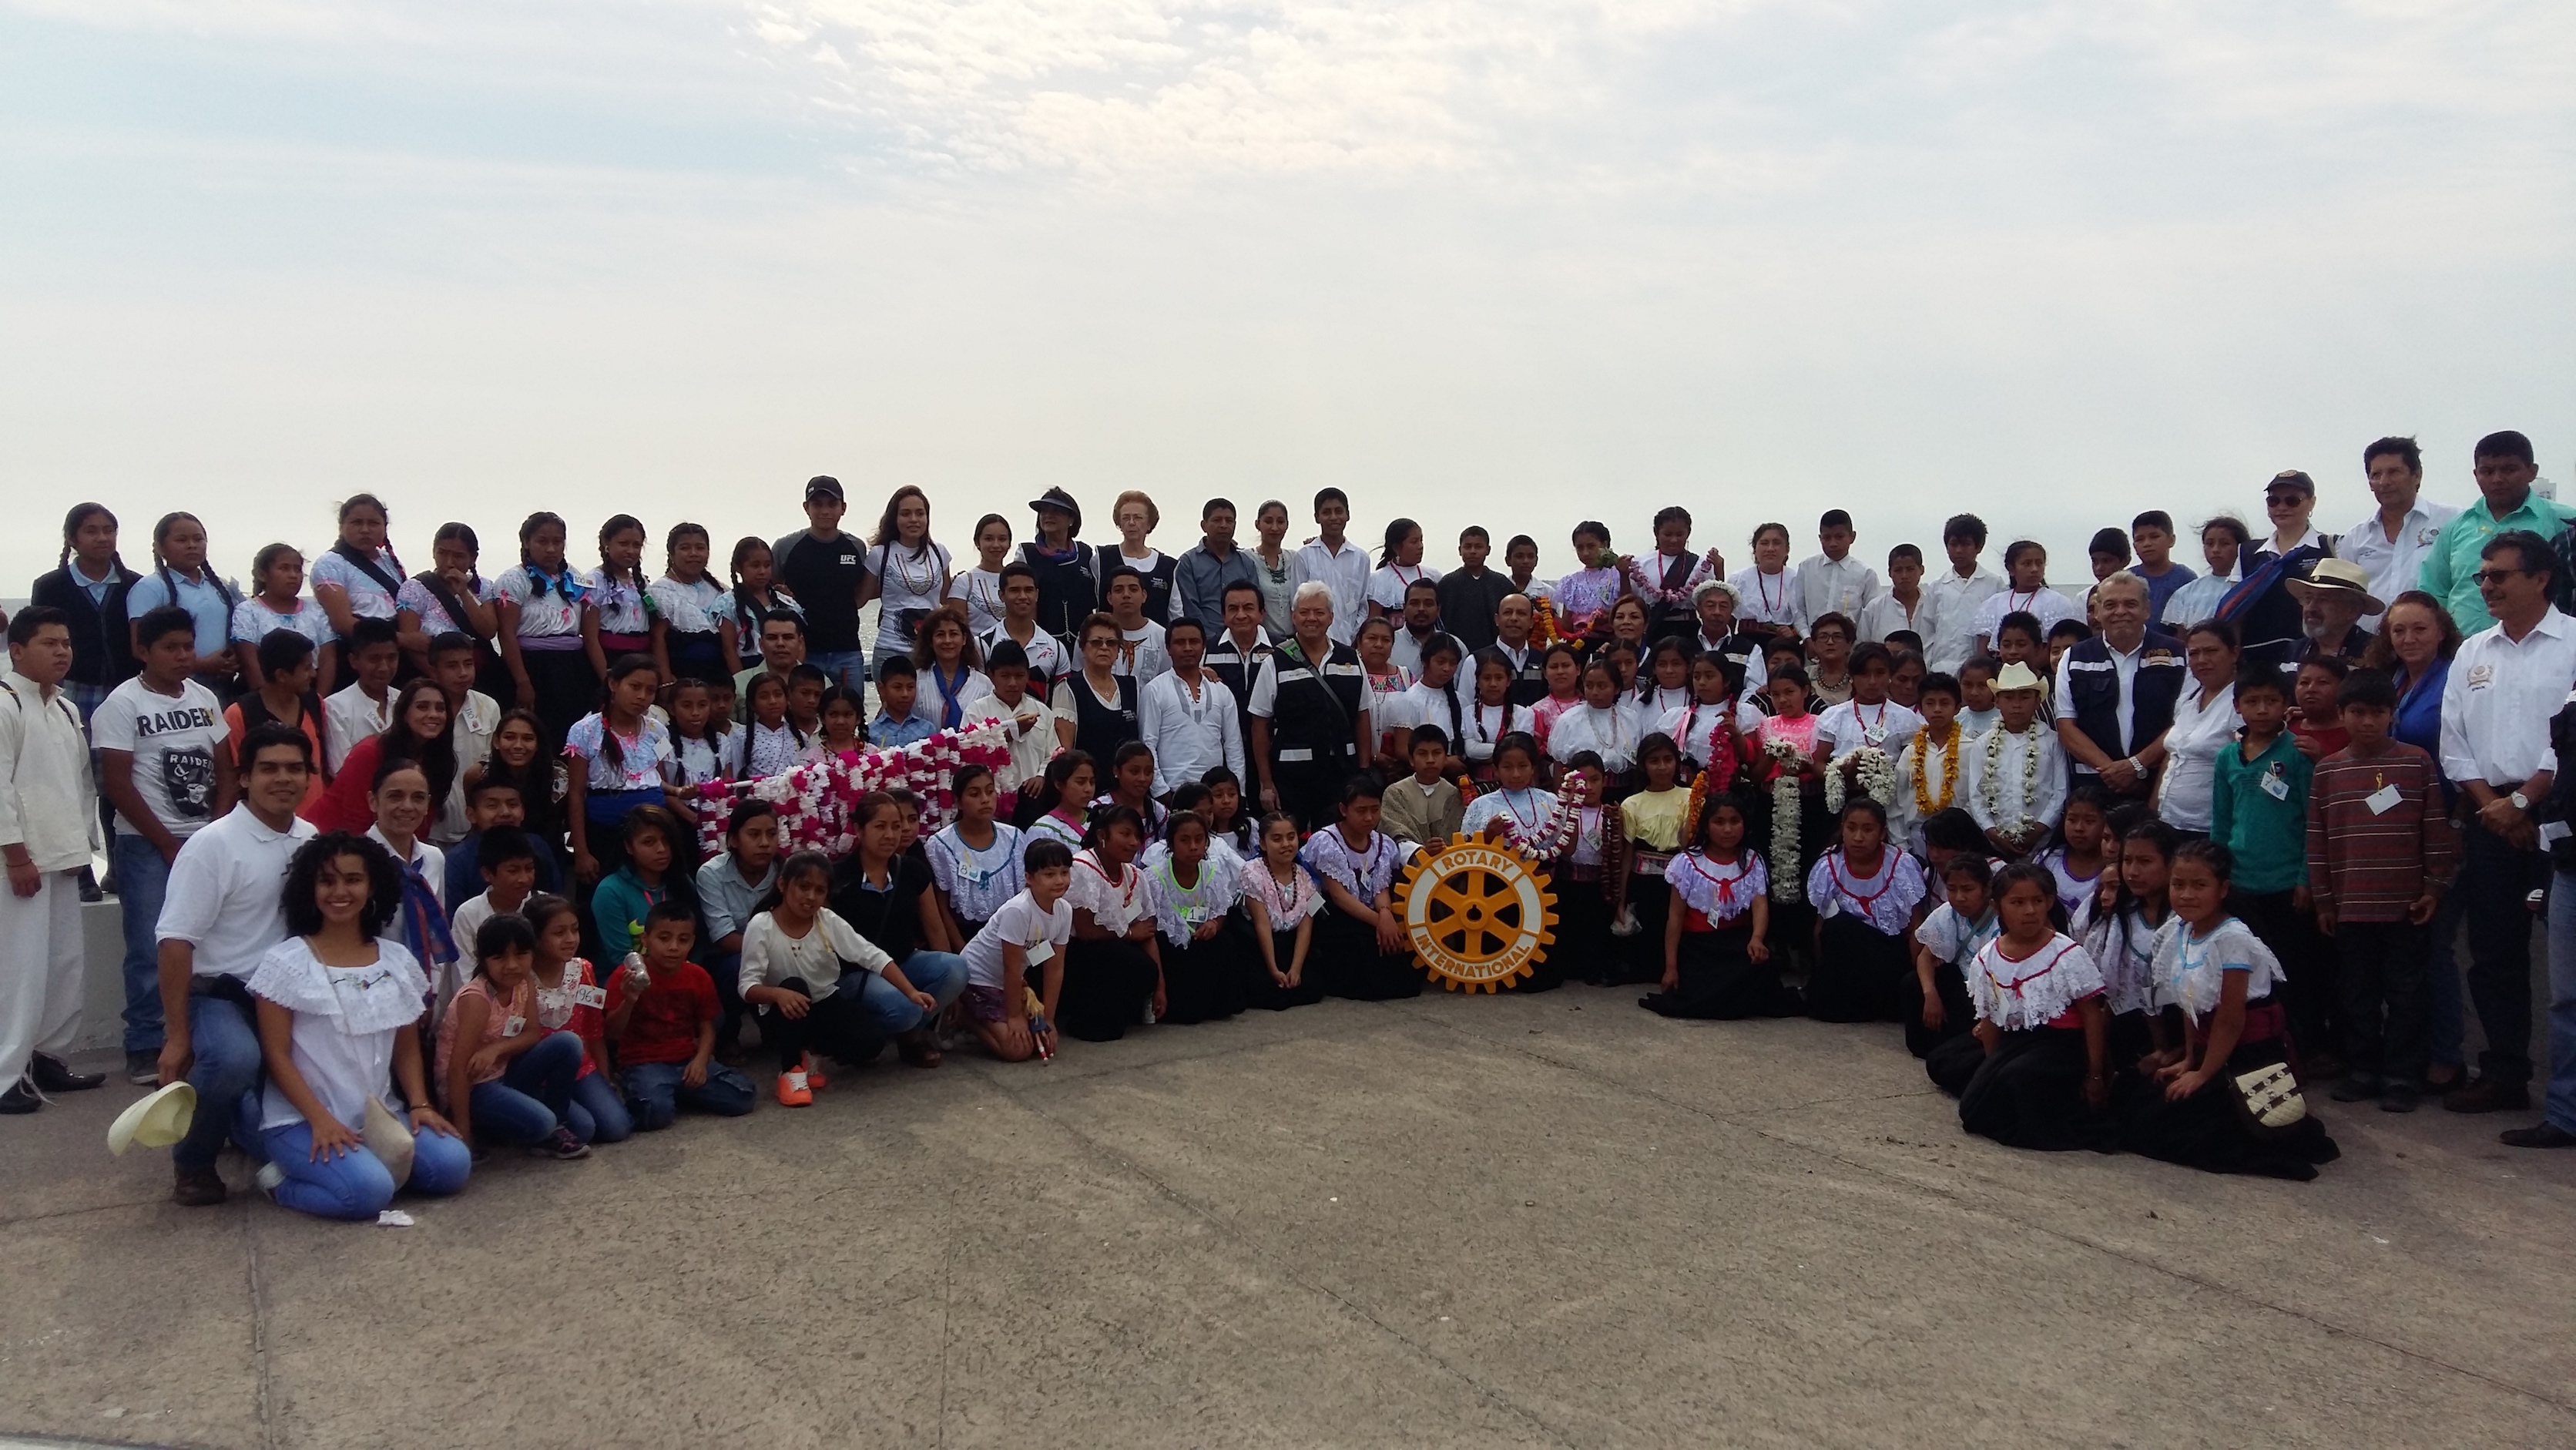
(1512,261)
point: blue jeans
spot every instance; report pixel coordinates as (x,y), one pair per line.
(141,878)
(655,1094)
(596,1114)
(2561,1105)
(356,1185)
(532,1096)
(227,1066)
(841,666)
(941,974)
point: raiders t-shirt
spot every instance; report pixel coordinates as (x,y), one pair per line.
(172,739)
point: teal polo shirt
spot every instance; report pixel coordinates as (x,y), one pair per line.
(2450,571)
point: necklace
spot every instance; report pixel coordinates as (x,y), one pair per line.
(1924,805)
(1762,591)
(922,555)
(1990,789)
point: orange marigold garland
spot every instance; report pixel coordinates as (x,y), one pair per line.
(1543,622)
(1690,812)
(1924,805)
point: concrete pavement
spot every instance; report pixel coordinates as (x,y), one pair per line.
(1493,1221)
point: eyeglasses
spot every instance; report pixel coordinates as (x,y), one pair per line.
(2495,577)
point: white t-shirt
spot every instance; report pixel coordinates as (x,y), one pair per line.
(906,579)
(172,739)
(1140,653)
(224,893)
(1018,922)
(981,592)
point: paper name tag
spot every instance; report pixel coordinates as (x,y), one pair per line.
(590,996)
(1040,950)
(2552,832)
(2382,800)
(514,1026)
(2275,787)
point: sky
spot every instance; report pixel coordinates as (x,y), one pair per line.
(1516,262)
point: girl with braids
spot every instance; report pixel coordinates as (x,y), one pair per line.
(1708,731)
(1399,567)
(544,615)
(181,576)
(618,755)
(693,637)
(621,617)
(2119,925)
(1491,718)
(1664,686)
(756,593)
(908,577)
(89,584)
(359,577)
(1062,804)
(1717,963)
(1113,967)
(451,596)
(773,742)
(276,579)
(2035,1072)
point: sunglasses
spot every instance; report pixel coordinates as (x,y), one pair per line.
(2496,577)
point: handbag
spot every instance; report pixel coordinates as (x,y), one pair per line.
(389,1139)
(2269,1098)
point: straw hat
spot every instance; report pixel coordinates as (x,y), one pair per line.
(2016,676)
(2337,579)
(156,1120)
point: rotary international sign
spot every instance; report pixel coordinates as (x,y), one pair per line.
(1478,915)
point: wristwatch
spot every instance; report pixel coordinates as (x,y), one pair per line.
(2520,801)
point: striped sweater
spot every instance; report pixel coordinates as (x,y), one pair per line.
(2367,865)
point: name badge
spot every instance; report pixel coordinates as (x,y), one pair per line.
(514,1026)
(2552,832)
(590,996)
(2382,800)
(2481,676)
(1040,951)
(2275,787)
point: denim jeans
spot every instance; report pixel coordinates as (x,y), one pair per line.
(356,1185)
(941,974)
(141,877)
(2496,878)
(597,1115)
(226,1046)
(2561,1105)
(655,1094)
(532,1096)
(841,666)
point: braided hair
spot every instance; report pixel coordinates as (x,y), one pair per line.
(82,513)
(357,501)
(529,528)
(161,566)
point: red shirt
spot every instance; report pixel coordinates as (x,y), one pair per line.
(667,1017)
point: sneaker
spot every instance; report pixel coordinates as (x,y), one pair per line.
(2357,1087)
(54,1075)
(2543,1134)
(2488,1095)
(143,1069)
(814,1079)
(268,1179)
(21,1097)
(563,1147)
(2400,1097)
(202,1187)
(792,1091)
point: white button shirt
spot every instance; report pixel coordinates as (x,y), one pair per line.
(1833,586)
(224,896)
(48,803)
(1189,730)
(2498,702)
(1345,573)
(349,717)
(1886,614)
(2126,667)
(1953,605)
(2393,564)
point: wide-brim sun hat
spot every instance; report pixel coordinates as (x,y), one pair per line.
(157,1119)
(2337,579)
(1056,498)
(2016,676)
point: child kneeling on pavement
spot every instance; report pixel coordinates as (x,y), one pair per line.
(665,1028)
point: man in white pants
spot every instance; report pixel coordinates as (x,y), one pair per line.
(48,828)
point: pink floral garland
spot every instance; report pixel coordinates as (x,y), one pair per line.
(814,800)
(1555,836)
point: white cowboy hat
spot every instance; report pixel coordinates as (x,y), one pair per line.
(2017,676)
(156,1120)
(2339,578)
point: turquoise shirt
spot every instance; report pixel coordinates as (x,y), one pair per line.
(2267,831)
(2450,571)
(617,911)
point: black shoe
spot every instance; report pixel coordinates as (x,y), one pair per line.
(2539,1135)
(21,1097)
(198,1188)
(89,892)
(2356,1087)
(2400,1097)
(143,1069)
(53,1075)
(2488,1095)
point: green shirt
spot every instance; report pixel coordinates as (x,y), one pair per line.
(2268,833)
(2450,571)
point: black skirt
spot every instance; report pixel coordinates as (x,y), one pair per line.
(1719,981)
(1957,1015)
(566,687)
(1584,946)
(2209,1129)
(1260,990)
(2029,1093)
(1203,980)
(1650,900)
(1342,960)
(1858,973)
(1107,985)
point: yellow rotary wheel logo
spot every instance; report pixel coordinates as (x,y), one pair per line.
(1478,915)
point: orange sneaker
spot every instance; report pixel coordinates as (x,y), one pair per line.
(814,1075)
(793,1092)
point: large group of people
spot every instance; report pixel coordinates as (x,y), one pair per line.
(413,866)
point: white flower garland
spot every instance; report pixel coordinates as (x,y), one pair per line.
(1788,881)
(1990,782)
(1554,832)
(1877,773)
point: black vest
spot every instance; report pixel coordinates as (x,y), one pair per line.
(1681,619)
(1158,582)
(1099,728)
(1068,589)
(1529,686)
(2094,682)
(1237,670)
(1314,714)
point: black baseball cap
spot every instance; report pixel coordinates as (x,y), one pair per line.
(2292,478)
(823,485)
